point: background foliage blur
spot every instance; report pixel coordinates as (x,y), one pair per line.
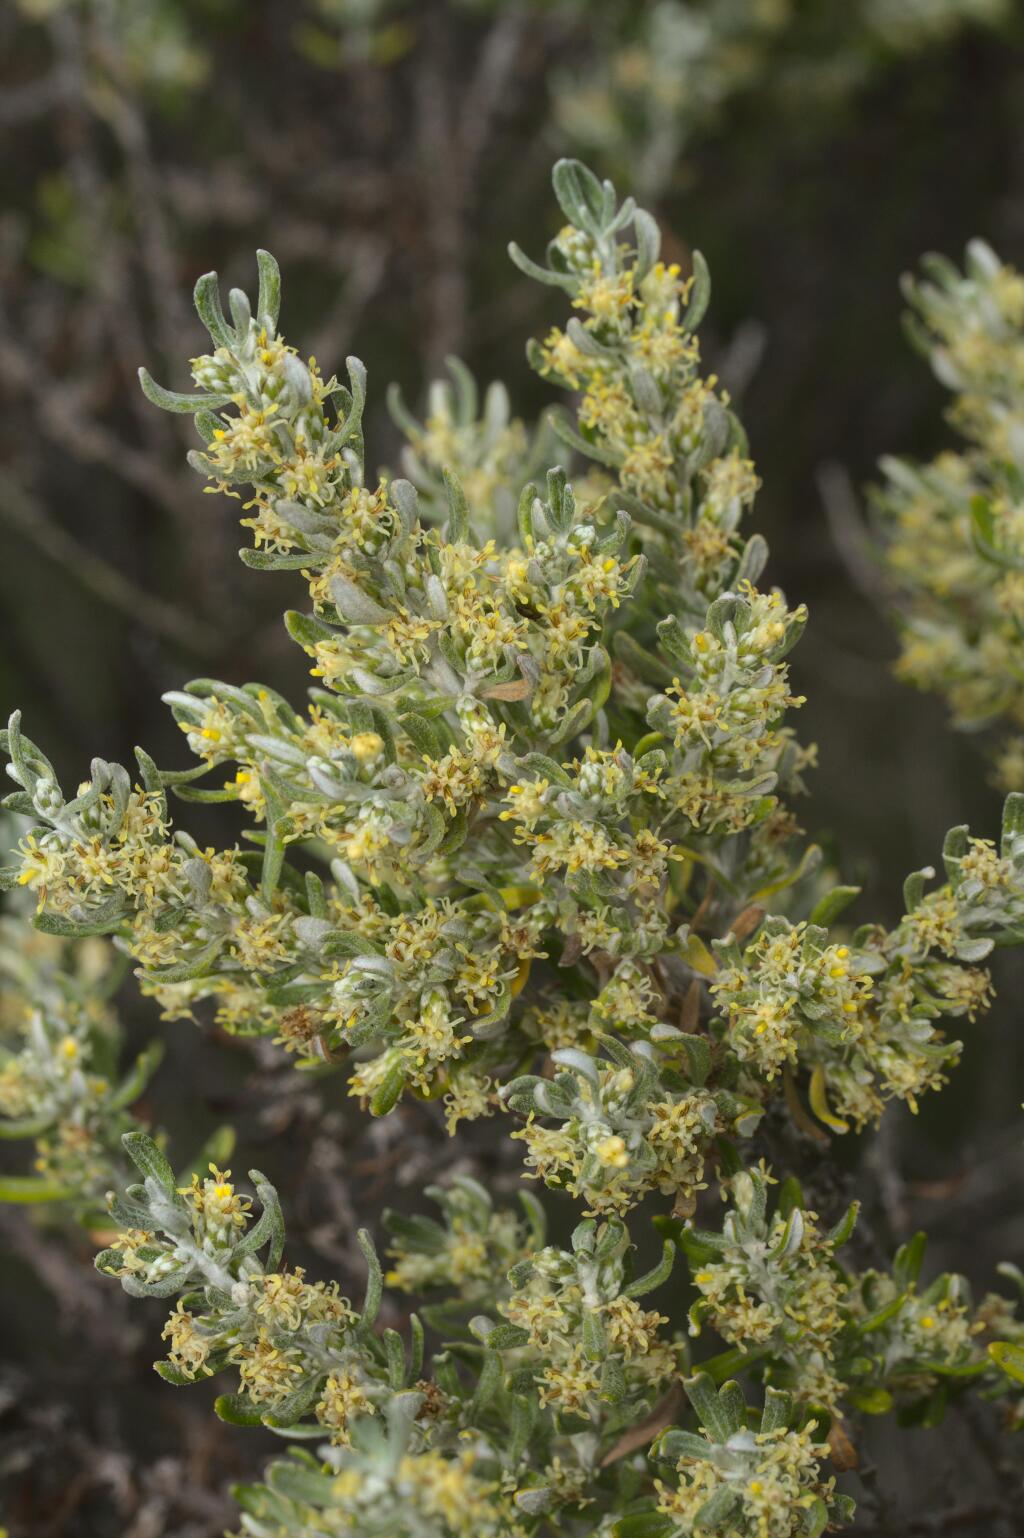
(386,150)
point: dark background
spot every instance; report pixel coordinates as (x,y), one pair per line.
(386,153)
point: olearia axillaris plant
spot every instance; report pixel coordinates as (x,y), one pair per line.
(953,528)
(527,850)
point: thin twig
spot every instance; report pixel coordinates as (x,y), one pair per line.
(23,512)
(61,418)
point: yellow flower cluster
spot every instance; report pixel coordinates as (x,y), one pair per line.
(477,1243)
(490,451)
(283,1334)
(577,1320)
(779,1484)
(621,1136)
(788,982)
(771,1285)
(58,1040)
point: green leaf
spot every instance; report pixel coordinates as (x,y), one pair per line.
(532,269)
(395,1353)
(613,1380)
(882,1315)
(504,1337)
(287,1412)
(174,400)
(354,605)
(913,888)
(1013,819)
(778,1408)
(70,929)
(268,303)
(674,1444)
(273,849)
(32,1188)
(714,1413)
(828,908)
(26,1126)
(423,734)
(389,1091)
(871,1401)
(816,1518)
(151,777)
(697,1051)
(458,509)
(817,1094)
(415,1232)
(717,1510)
(700,294)
(648,242)
(645,1524)
(174,1375)
(307,629)
(594,1339)
(237,1410)
(983,536)
(908,1260)
(268,560)
(268,1229)
(417,1347)
(208,307)
(205,797)
(582,199)
(642,662)
(199,965)
(725,1363)
(148,1160)
(488,1384)
(374,1279)
(585,446)
(841,1231)
(107,1261)
(656,1276)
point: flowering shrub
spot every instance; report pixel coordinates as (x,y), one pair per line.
(952,528)
(671,70)
(528,851)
